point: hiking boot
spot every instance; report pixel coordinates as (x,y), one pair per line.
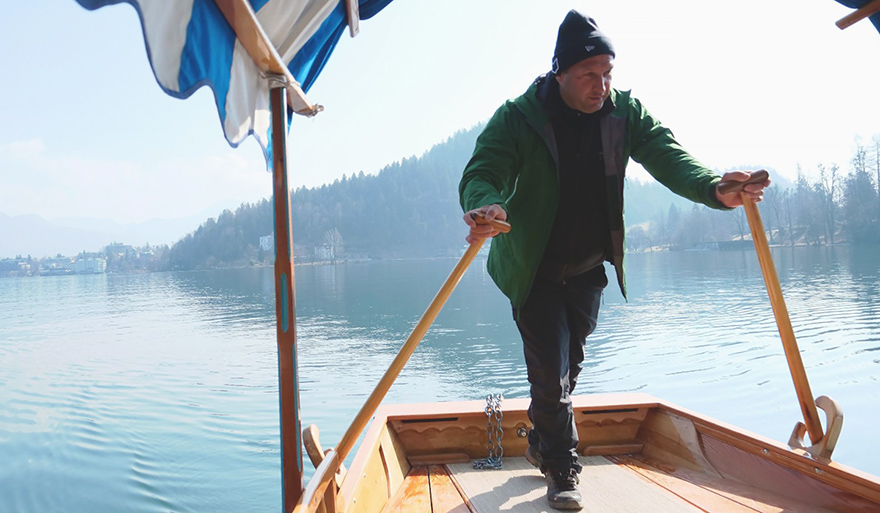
(534,457)
(562,490)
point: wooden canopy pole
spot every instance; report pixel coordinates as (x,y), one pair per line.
(285,305)
(783,322)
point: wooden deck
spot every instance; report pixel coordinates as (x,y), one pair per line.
(608,484)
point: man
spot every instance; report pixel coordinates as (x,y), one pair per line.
(551,162)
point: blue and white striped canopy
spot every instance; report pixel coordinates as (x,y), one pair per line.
(190,44)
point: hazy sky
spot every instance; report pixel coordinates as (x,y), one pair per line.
(86,131)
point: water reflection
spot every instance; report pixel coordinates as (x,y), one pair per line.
(697,329)
(163,387)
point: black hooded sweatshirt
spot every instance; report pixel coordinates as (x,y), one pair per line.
(580,237)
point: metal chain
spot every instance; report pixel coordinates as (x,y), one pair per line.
(494,433)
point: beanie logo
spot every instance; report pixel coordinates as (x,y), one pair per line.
(589,48)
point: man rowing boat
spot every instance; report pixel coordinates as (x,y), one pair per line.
(551,163)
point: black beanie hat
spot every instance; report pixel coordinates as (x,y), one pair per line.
(579,37)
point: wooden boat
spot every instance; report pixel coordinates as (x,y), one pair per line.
(639,452)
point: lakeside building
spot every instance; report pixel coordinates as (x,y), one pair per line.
(12,267)
(267,242)
(57,265)
(53,266)
(90,265)
(118,249)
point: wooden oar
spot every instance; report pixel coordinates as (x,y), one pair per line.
(369,407)
(783,322)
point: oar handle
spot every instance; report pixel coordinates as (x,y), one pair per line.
(735,186)
(498,224)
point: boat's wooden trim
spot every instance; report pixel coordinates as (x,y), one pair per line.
(374,485)
(377,470)
(312,443)
(428,431)
(610,402)
(321,481)
(438,459)
(394,459)
(611,450)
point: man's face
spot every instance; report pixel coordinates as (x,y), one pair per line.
(585,85)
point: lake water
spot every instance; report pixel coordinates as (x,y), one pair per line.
(158,392)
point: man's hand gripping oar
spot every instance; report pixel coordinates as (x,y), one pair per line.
(486,222)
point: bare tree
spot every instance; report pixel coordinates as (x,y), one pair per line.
(773,201)
(827,192)
(875,144)
(860,195)
(638,239)
(335,244)
(787,210)
(738,215)
(805,204)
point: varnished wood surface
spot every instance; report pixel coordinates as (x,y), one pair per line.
(413,495)
(818,485)
(713,493)
(428,489)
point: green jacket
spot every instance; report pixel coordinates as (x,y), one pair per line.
(514,164)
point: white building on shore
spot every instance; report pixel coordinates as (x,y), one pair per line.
(90,265)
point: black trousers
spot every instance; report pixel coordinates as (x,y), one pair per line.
(554,323)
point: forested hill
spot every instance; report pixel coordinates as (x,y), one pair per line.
(409,209)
